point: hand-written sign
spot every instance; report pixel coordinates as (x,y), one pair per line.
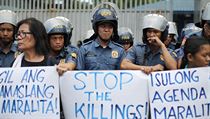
(180,94)
(29,92)
(104,94)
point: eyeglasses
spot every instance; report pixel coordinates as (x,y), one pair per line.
(21,34)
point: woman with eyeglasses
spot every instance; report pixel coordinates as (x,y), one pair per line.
(32,41)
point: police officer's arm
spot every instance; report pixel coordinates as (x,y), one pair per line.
(170,62)
(128,65)
(63,67)
(128,62)
(81,59)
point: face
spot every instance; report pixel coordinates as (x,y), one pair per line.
(151,34)
(56,42)
(105,31)
(126,46)
(6,33)
(201,58)
(169,39)
(24,38)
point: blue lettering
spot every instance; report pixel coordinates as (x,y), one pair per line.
(195,111)
(157,79)
(79,111)
(156,97)
(189,112)
(121,111)
(92,112)
(127,80)
(172,113)
(157,113)
(108,96)
(49,107)
(115,79)
(33,75)
(77,77)
(181,110)
(179,77)
(95,78)
(89,93)
(5,76)
(102,110)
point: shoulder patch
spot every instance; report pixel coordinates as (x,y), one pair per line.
(74,55)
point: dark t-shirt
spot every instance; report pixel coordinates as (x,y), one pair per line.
(48,61)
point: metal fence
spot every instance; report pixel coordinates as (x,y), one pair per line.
(79,12)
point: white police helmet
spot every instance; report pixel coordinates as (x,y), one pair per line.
(172,28)
(54,25)
(66,22)
(8,16)
(206,12)
(155,21)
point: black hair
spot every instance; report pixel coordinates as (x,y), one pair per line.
(192,46)
(39,33)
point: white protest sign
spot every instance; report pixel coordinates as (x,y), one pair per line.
(29,93)
(104,94)
(180,94)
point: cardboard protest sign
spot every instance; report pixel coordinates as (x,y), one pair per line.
(104,94)
(29,93)
(180,94)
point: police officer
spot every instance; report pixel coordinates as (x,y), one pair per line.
(101,52)
(58,35)
(171,40)
(188,31)
(126,37)
(8,49)
(153,55)
(205,22)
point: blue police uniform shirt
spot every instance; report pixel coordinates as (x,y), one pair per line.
(141,54)
(6,59)
(68,54)
(92,56)
(72,54)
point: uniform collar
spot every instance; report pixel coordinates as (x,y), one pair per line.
(62,53)
(97,44)
(13,48)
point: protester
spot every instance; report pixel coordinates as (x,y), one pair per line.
(32,40)
(8,49)
(153,55)
(196,53)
